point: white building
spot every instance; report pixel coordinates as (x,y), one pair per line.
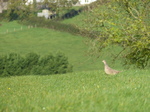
(82,2)
(3,6)
(31,1)
(46,13)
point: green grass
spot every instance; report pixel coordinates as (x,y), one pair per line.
(77,92)
(76,20)
(87,89)
(44,41)
(10,27)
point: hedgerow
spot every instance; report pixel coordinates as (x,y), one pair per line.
(56,25)
(14,64)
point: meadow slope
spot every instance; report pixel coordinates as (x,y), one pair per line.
(44,41)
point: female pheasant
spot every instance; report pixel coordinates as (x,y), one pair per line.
(109,70)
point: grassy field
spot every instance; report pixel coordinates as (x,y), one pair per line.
(87,89)
(77,92)
(44,41)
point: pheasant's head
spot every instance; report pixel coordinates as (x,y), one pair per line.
(104,61)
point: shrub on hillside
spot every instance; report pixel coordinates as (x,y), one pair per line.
(50,64)
(2,15)
(11,64)
(14,65)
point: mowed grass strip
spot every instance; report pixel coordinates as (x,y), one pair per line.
(77,92)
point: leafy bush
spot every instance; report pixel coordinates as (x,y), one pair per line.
(2,15)
(124,23)
(11,64)
(50,64)
(15,65)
